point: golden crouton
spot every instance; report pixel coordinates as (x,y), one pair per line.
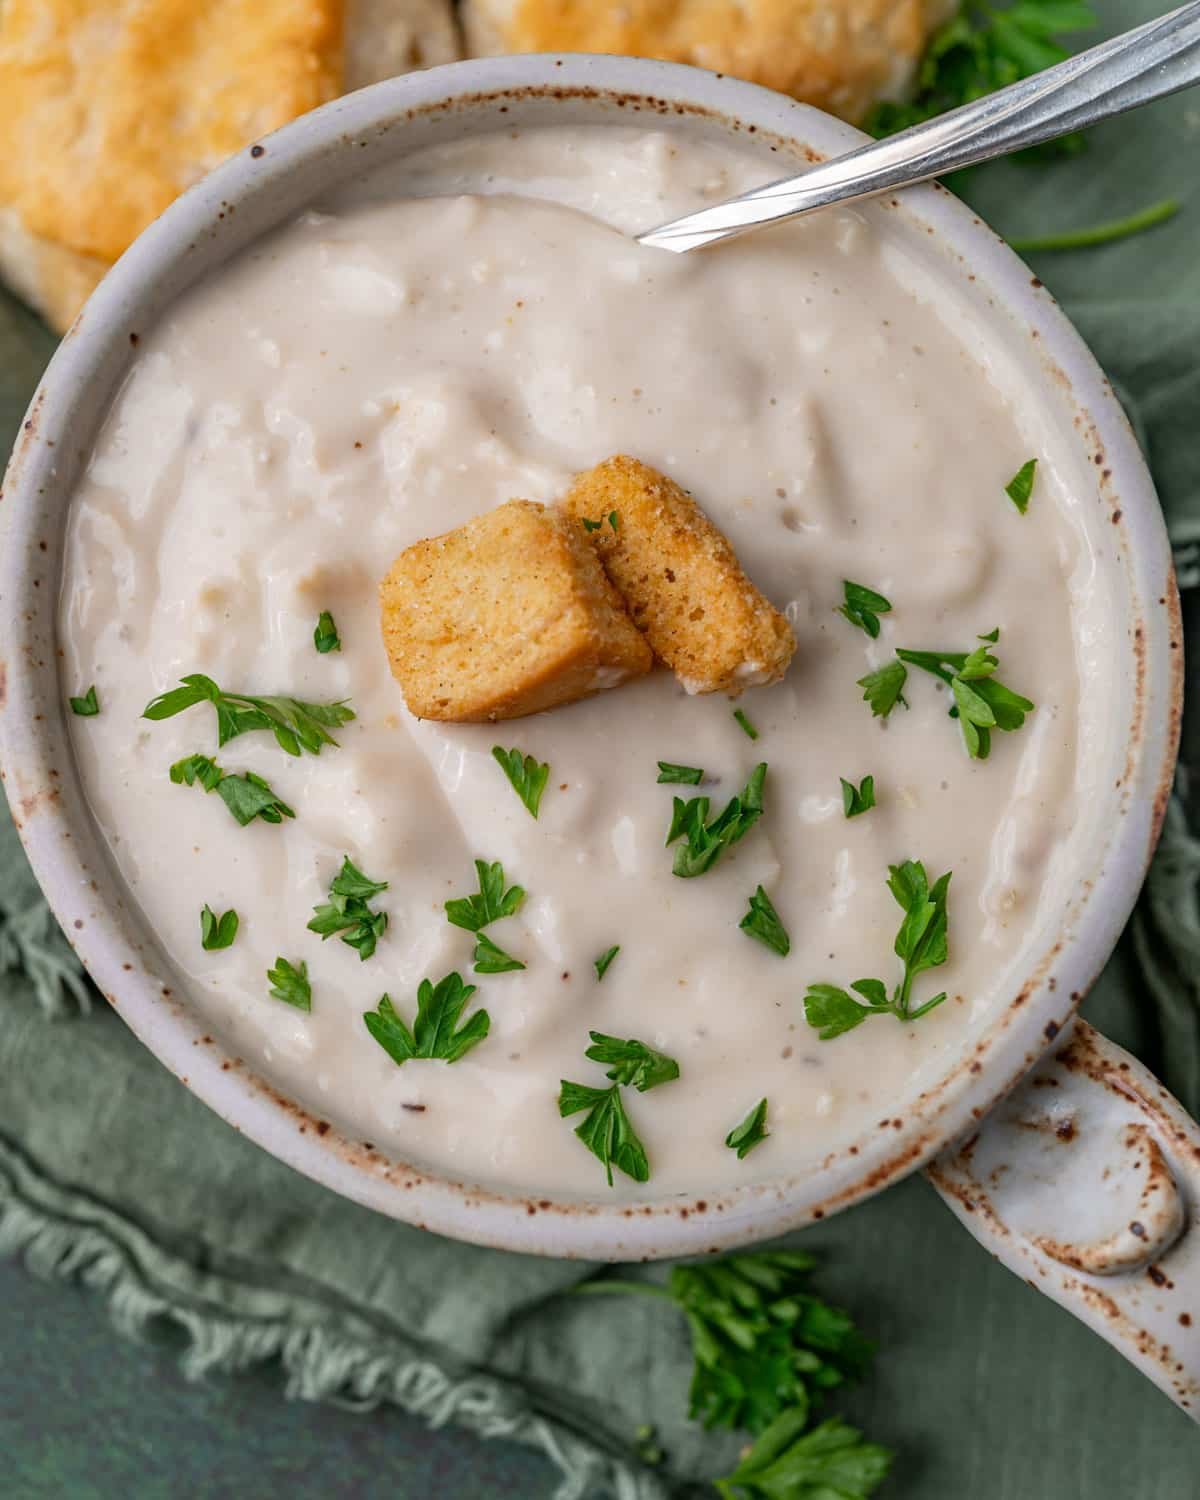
(841,55)
(680,579)
(506,616)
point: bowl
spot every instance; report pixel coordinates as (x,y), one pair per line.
(1071,1233)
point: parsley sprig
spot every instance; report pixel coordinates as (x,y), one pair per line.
(981,701)
(920,944)
(863,606)
(296,725)
(857,800)
(633,1063)
(786,1463)
(705,841)
(489,904)
(762,922)
(436,1032)
(527,774)
(490,958)
(246,795)
(347,913)
(217,931)
(607,1131)
(289,983)
(884,688)
(88,706)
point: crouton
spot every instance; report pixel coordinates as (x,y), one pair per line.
(680,579)
(508,615)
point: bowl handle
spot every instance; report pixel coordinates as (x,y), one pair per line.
(1086,1182)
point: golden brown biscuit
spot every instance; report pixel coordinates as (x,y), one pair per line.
(680,579)
(841,55)
(506,616)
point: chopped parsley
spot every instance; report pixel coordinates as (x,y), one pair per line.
(633,1063)
(981,701)
(490,903)
(679,775)
(606,1130)
(246,795)
(762,922)
(705,841)
(1020,486)
(831,1462)
(325,636)
(920,945)
(589,525)
(614,520)
(857,799)
(436,1032)
(863,607)
(601,964)
(753,1129)
(747,727)
(884,688)
(492,959)
(289,983)
(296,725)
(217,931)
(88,706)
(527,774)
(347,912)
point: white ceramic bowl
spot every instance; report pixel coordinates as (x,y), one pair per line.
(1140,669)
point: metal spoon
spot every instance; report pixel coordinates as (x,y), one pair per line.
(1148,63)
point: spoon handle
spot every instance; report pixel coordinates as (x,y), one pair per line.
(1134,68)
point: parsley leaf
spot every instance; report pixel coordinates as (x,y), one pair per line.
(633,1063)
(860,799)
(347,912)
(247,796)
(217,931)
(87,706)
(885,688)
(706,842)
(786,1463)
(606,1131)
(614,520)
(601,964)
(745,723)
(295,724)
(290,984)
(490,904)
(491,959)
(527,774)
(981,701)
(433,1035)
(1020,486)
(863,607)
(762,1343)
(753,1129)
(762,922)
(920,944)
(325,636)
(591,525)
(682,775)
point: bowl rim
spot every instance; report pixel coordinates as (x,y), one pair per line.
(111,936)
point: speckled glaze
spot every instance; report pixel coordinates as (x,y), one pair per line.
(271,181)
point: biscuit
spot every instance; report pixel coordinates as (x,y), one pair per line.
(509,615)
(680,579)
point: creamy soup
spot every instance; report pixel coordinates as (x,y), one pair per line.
(478,326)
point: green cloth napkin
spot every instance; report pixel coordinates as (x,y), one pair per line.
(113,1175)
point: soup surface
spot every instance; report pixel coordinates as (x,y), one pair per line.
(477,326)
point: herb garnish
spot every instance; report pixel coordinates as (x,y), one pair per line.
(325,636)
(762,1343)
(706,842)
(289,983)
(857,799)
(749,728)
(633,1063)
(295,724)
(680,775)
(591,525)
(247,796)
(612,518)
(217,931)
(601,964)
(433,1035)
(347,912)
(786,1463)
(606,1131)
(1020,486)
(884,688)
(753,1129)
(762,922)
(87,706)
(492,959)
(490,903)
(863,607)
(1100,234)
(527,774)
(920,945)
(981,701)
